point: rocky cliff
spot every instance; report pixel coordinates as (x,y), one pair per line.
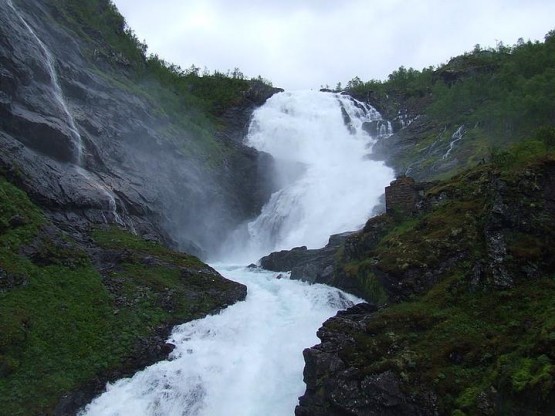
(94,138)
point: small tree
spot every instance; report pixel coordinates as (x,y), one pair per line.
(237,74)
(354,83)
(192,70)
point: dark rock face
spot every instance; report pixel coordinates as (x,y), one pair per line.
(237,118)
(138,168)
(314,265)
(401,196)
(411,128)
(335,389)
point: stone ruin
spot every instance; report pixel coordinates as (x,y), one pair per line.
(401,196)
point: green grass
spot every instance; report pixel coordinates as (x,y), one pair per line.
(63,323)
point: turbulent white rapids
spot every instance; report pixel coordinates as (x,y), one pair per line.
(247,360)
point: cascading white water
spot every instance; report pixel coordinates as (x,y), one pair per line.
(328,182)
(247,360)
(75,135)
(457,136)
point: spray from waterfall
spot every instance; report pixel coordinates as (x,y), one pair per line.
(74,132)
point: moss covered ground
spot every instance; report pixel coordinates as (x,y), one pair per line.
(448,328)
(467,345)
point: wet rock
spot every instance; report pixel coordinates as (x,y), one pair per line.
(314,265)
(131,156)
(17,221)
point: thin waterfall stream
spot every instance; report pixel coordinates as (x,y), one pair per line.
(247,360)
(56,87)
(94,181)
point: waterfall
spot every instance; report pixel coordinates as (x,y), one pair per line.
(77,140)
(247,360)
(329,183)
(457,136)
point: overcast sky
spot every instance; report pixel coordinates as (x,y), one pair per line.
(300,44)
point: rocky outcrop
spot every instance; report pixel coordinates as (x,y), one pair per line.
(336,389)
(310,265)
(404,197)
(237,118)
(484,238)
(401,196)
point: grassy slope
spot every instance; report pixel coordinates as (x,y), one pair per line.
(64,323)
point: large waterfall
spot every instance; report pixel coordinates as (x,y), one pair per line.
(247,360)
(329,183)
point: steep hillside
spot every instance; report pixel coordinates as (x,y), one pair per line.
(100,133)
(105,153)
(449,118)
(79,310)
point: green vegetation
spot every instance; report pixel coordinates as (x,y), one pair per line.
(450,327)
(100,23)
(465,345)
(62,323)
(499,95)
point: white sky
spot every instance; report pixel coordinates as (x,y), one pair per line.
(301,44)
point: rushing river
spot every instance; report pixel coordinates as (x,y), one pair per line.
(247,360)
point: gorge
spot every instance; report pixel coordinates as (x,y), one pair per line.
(118,171)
